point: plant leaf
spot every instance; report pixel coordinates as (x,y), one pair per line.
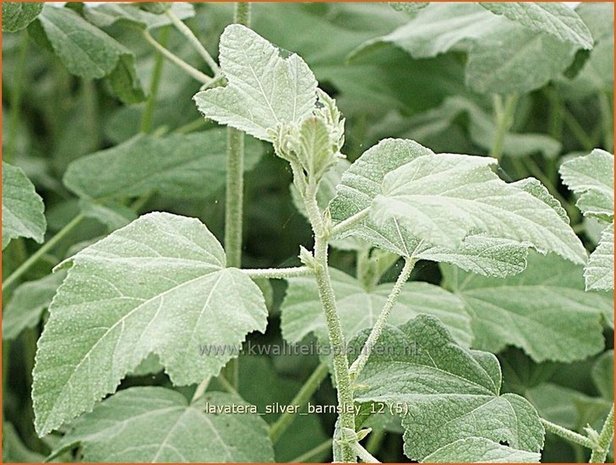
(158,285)
(114,216)
(544,310)
(177,166)
(358,308)
(418,199)
(591,177)
(603,374)
(18,15)
(14,450)
(26,307)
(599,272)
(88,52)
(263,90)
(446,393)
(528,61)
(22,207)
(555,19)
(106,14)
(154,424)
(479,450)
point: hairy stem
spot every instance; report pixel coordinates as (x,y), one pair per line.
(277,273)
(234,197)
(50,244)
(193,41)
(377,329)
(192,72)
(599,452)
(503,116)
(242,13)
(300,399)
(334,327)
(148,112)
(308,456)
(567,434)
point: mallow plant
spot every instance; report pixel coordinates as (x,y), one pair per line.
(448,294)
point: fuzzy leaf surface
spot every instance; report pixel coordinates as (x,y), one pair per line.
(22,207)
(157,425)
(263,90)
(599,272)
(544,310)
(591,177)
(480,450)
(159,285)
(450,393)
(177,166)
(358,308)
(555,19)
(419,200)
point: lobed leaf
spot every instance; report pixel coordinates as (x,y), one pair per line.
(22,207)
(446,394)
(263,89)
(359,308)
(543,310)
(158,425)
(177,166)
(159,285)
(418,201)
(599,272)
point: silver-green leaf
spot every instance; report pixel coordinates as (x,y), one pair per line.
(264,89)
(17,15)
(178,166)
(359,308)
(157,425)
(445,393)
(159,285)
(22,207)
(543,310)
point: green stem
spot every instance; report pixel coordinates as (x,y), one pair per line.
(599,452)
(334,327)
(377,329)
(556,114)
(50,244)
(234,197)
(242,13)
(192,72)
(16,97)
(375,440)
(277,273)
(193,41)
(307,456)
(192,126)
(607,119)
(567,434)
(503,119)
(227,385)
(148,113)
(577,131)
(363,454)
(300,399)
